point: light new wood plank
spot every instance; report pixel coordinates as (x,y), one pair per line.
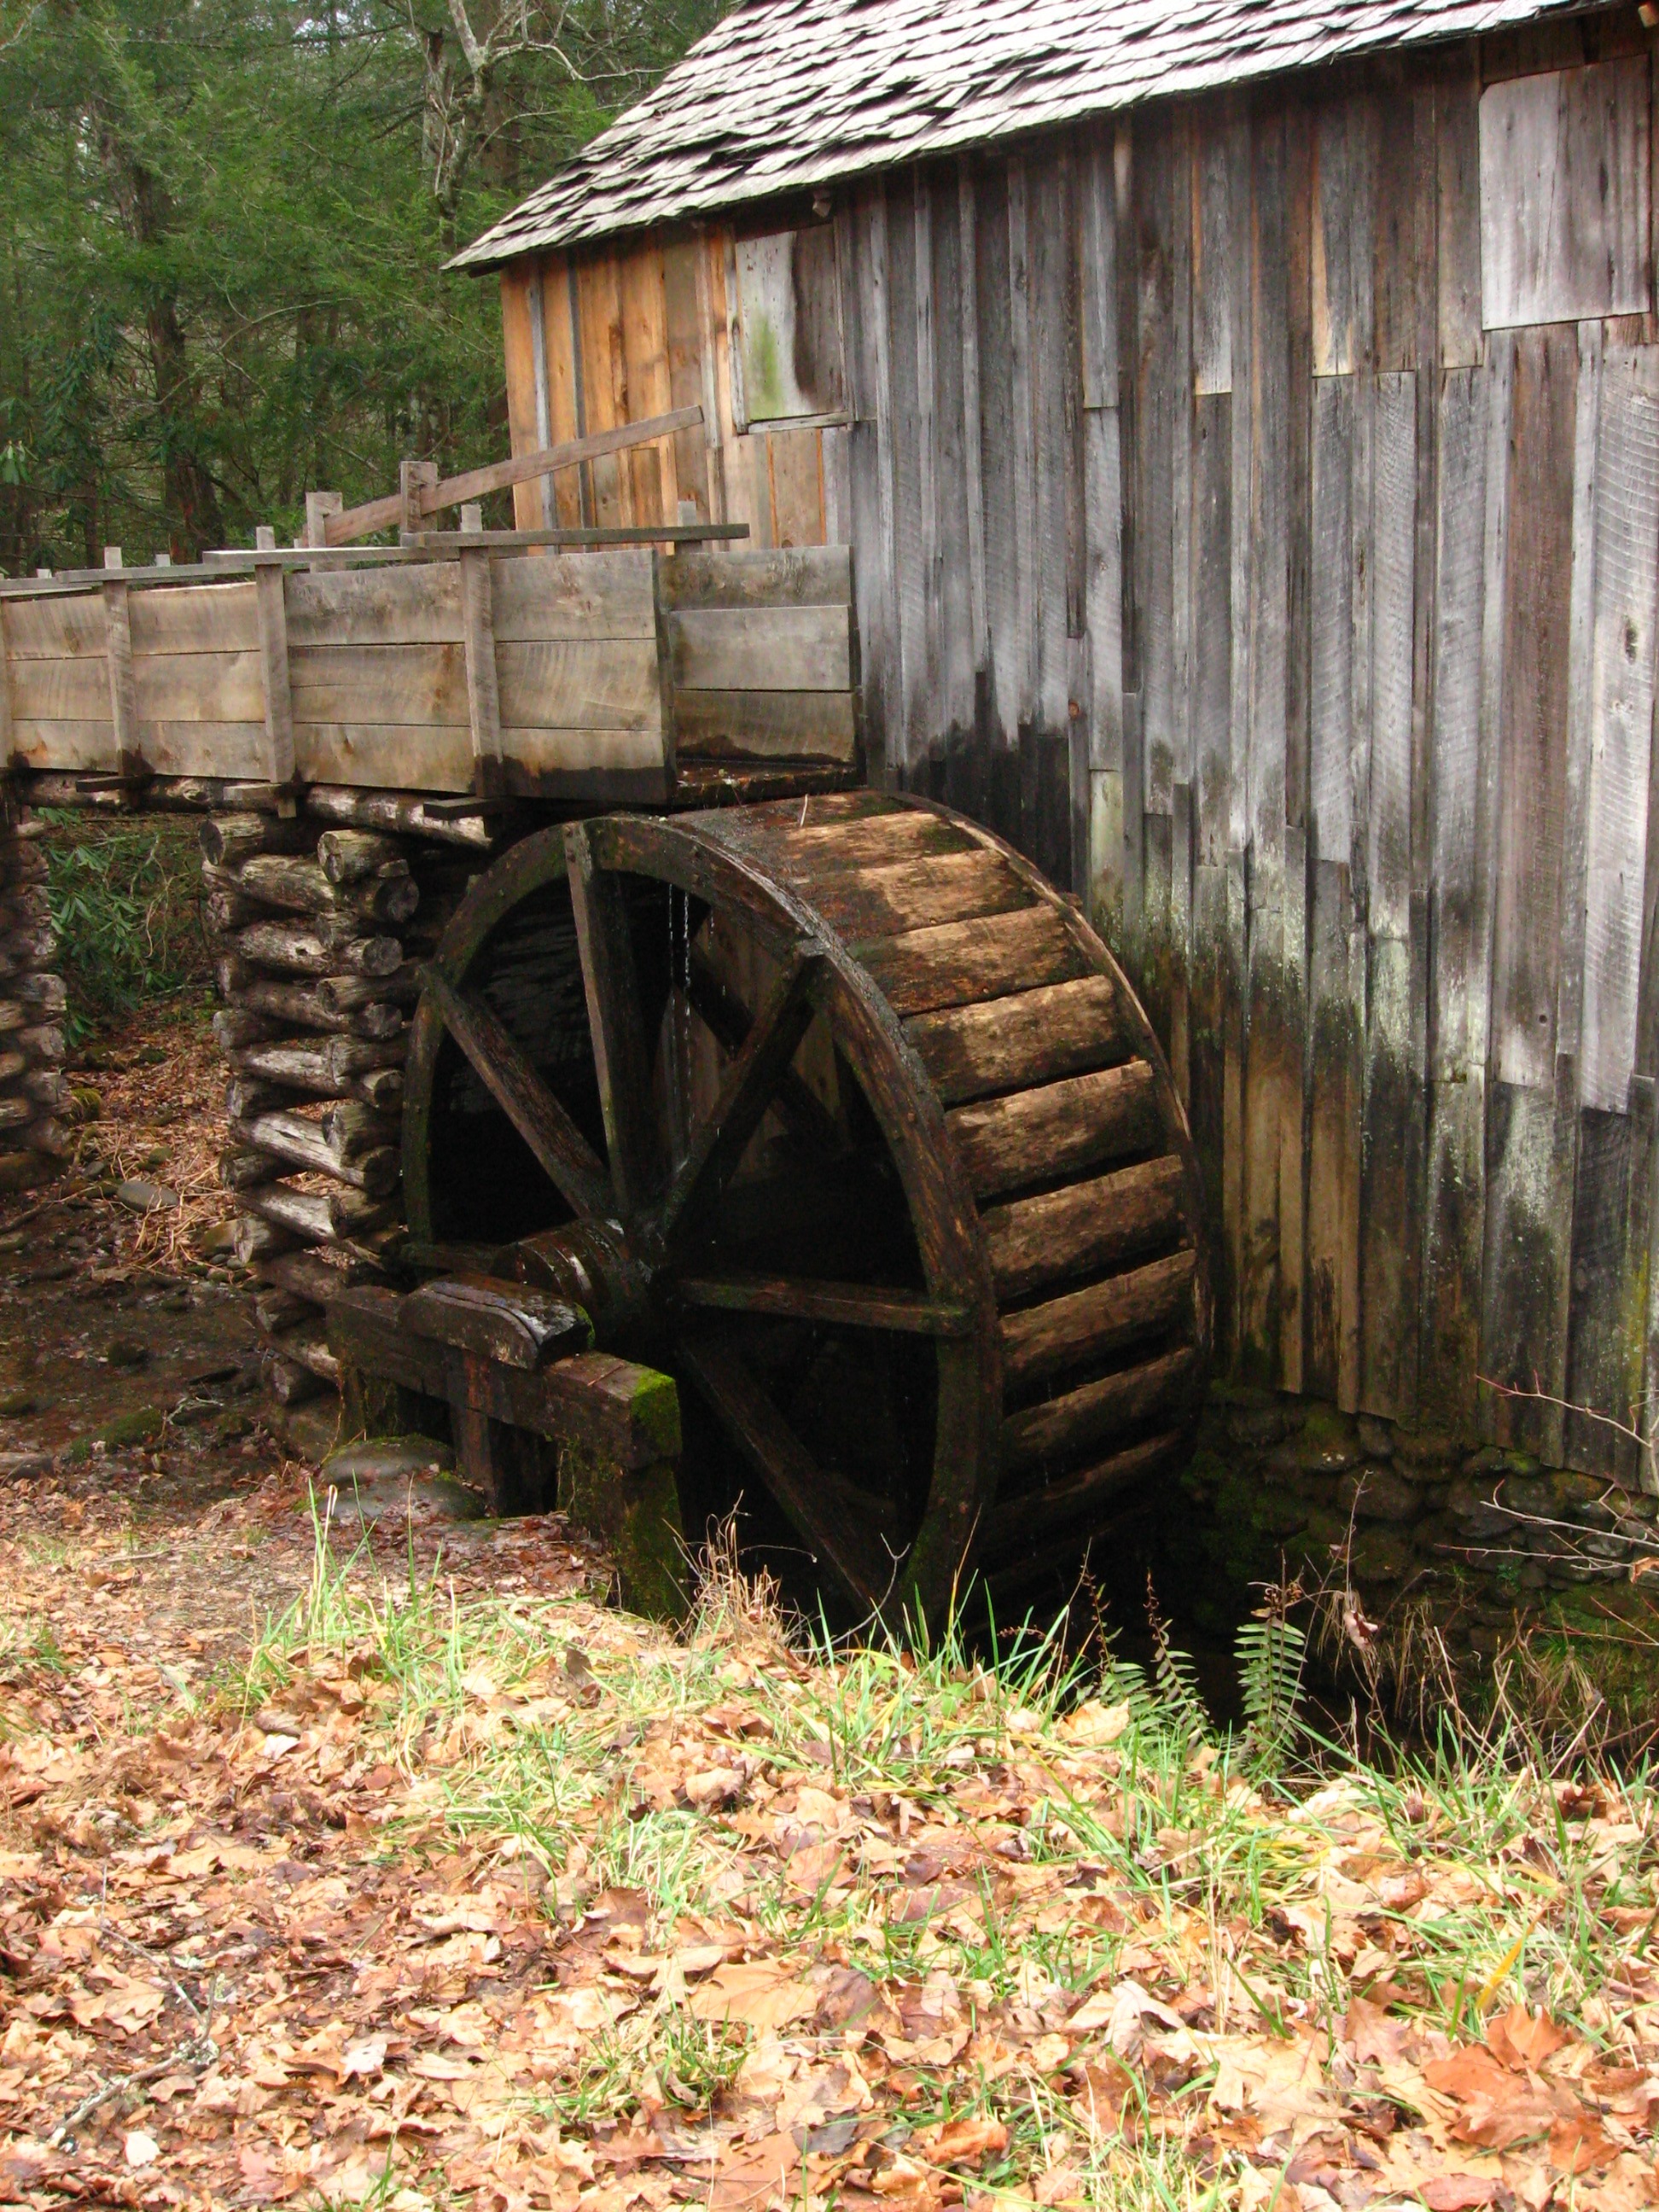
(205,748)
(407,684)
(1566,196)
(275,689)
(418,604)
(422,756)
(61,690)
(56,629)
(606,684)
(40,742)
(522,354)
(1621,719)
(765,724)
(199,687)
(803,576)
(195,619)
(761,648)
(596,752)
(645,349)
(606,594)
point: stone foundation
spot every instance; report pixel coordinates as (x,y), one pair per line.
(1473,1540)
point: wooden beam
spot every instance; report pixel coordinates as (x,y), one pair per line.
(500,475)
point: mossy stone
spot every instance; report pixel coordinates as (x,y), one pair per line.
(1382,1554)
(1328,1443)
(635,1515)
(144,1425)
(1374,1492)
(17,1403)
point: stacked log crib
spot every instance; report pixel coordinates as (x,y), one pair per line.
(320,929)
(31,1001)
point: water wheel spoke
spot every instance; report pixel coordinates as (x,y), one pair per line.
(852,1305)
(841,1522)
(750,1085)
(560,1148)
(728,1021)
(621,1051)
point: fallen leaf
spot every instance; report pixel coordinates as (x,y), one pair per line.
(960,2142)
(765,1994)
(1457,2192)
(1522,2040)
(142,2149)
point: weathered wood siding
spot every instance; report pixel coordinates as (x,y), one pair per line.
(1257,522)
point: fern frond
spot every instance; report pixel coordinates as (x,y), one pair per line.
(1174,1678)
(1271,1651)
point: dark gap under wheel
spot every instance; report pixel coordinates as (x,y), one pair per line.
(843,1115)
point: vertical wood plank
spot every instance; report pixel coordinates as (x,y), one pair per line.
(1622,719)
(543,489)
(1393,244)
(1098,273)
(482,698)
(904,411)
(1270,1077)
(123,692)
(1022,424)
(1344,226)
(1157,411)
(993,288)
(268,588)
(973,475)
(1449,1354)
(649,390)
(873,501)
(1457,100)
(1532,1110)
(708,263)
(1536,663)
(949,527)
(604,385)
(1213,271)
(1390,1285)
(1335,1024)
(683,324)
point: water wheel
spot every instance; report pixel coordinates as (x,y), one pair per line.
(839,1112)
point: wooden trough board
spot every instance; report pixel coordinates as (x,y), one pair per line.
(590,676)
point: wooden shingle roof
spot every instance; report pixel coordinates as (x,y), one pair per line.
(789,95)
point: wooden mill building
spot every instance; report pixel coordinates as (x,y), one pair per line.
(1246,425)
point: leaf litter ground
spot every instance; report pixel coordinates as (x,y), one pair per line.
(392,1865)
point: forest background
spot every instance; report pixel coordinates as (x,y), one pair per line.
(223,231)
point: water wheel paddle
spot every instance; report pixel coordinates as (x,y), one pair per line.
(839,1112)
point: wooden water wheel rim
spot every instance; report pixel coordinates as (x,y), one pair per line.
(956,1306)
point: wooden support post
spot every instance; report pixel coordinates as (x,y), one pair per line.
(482,698)
(123,691)
(8,758)
(415,477)
(268,588)
(320,505)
